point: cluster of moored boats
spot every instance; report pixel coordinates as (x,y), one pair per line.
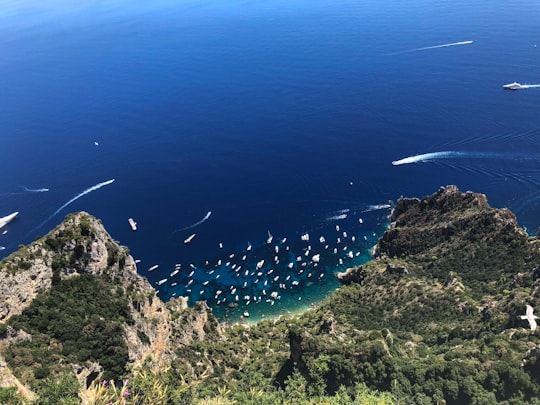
(262,274)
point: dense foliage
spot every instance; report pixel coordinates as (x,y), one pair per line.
(78,320)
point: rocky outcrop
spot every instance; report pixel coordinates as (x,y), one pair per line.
(419,225)
(21,280)
(351,275)
(457,231)
(80,245)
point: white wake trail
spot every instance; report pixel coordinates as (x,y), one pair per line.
(376,207)
(35,190)
(88,190)
(196,223)
(337,217)
(530,86)
(442,46)
(424,48)
(426,157)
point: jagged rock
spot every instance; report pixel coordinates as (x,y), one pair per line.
(19,286)
(87,373)
(80,245)
(351,275)
(327,324)
(15,336)
(194,323)
(402,206)
(454,282)
(396,269)
(296,342)
(461,228)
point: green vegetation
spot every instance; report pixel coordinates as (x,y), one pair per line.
(162,387)
(434,319)
(63,389)
(78,320)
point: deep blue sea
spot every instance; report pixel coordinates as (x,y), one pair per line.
(280,116)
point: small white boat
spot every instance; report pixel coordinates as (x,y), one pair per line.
(133,224)
(189,239)
(162,281)
(153,267)
(512,86)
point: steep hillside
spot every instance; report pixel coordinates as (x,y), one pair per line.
(73,301)
(434,318)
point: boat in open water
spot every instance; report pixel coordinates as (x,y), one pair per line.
(513,86)
(7,219)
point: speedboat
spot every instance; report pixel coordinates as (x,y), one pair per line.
(512,86)
(7,219)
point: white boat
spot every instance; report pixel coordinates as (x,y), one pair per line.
(7,219)
(153,267)
(133,224)
(189,239)
(512,86)
(162,281)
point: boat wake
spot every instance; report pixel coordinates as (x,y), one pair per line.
(88,190)
(425,48)
(345,213)
(35,190)
(337,217)
(196,223)
(377,207)
(429,157)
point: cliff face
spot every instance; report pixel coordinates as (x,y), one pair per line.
(67,264)
(437,311)
(434,318)
(456,231)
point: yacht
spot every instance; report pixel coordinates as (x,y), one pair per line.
(512,86)
(133,224)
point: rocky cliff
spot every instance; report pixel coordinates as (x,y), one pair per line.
(65,265)
(436,316)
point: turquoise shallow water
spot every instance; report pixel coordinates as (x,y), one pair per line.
(272,115)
